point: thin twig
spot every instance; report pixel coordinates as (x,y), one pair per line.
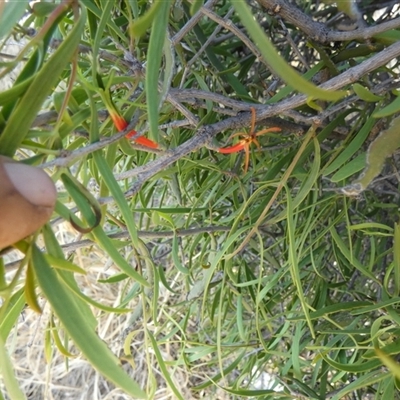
(141,234)
(204,46)
(229,25)
(206,133)
(319,31)
(67,158)
(191,23)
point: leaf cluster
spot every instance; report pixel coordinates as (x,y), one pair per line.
(217,275)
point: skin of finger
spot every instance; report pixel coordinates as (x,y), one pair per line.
(18,216)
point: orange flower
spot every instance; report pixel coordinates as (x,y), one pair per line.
(119,121)
(233,149)
(121,124)
(249,138)
(144,141)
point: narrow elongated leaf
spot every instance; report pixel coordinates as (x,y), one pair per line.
(293,263)
(21,119)
(30,293)
(351,148)
(158,33)
(87,204)
(64,264)
(351,168)
(10,13)
(11,314)
(94,349)
(92,302)
(91,5)
(106,244)
(346,252)
(196,5)
(140,26)
(111,183)
(396,258)
(15,92)
(55,251)
(390,109)
(6,371)
(161,363)
(274,59)
(364,94)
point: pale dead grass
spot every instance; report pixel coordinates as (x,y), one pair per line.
(56,377)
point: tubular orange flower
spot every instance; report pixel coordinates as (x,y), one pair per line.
(249,138)
(233,149)
(120,122)
(144,141)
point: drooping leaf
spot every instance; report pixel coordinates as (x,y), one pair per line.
(275,60)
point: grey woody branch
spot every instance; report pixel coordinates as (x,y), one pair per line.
(204,135)
(319,31)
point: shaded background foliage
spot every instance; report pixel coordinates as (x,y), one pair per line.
(214,276)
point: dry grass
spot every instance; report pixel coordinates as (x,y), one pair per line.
(54,376)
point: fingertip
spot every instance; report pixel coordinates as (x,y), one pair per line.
(27,200)
(32,183)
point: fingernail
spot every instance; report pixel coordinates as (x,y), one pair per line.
(32,183)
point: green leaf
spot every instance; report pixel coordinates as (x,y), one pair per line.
(28,107)
(274,59)
(112,185)
(349,256)
(11,314)
(163,367)
(351,148)
(14,93)
(390,109)
(64,264)
(30,294)
(107,245)
(93,348)
(388,37)
(351,168)
(396,258)
(85,201)
(154,55)
(6,371)
(55,251)
(10,13)
(42,9)
(293,262)
(90,4)
(365,94)
(140,26)
(176,258)
(90,301)
(196,5)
